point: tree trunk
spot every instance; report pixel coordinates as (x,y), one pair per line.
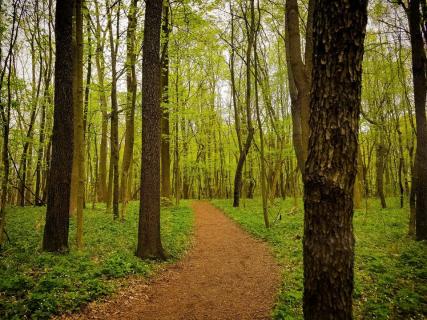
(419,65)
(86,126)
(25,162)
(5,117)
(264,191)
(165,142)
(114,141)
(358,184)
(55,237)
(100,68)
(331,167)
(250,26)
(46,100)
(176,144)
(130,109)
(149,241)
(299,76)
(79,146)
(233,83)
(380,159)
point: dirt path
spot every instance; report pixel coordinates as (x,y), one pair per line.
(227,275)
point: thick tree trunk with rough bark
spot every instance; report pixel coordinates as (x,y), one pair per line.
(419,66)
(149,242)
(79,146)
(331,167)
(55,237)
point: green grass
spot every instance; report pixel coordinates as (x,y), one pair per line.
(390,269)
(36,285)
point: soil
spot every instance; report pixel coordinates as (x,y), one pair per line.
(226,275)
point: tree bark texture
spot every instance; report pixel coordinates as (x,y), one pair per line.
(55,237)
(419,65)
(149,242)
(79,146)
(331,167)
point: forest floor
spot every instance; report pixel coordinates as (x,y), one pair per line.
(227,275)
(37,285)
(390,268)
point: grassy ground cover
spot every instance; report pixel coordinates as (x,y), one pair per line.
(390,268)
(36,285)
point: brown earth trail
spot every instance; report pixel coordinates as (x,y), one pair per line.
(226,275)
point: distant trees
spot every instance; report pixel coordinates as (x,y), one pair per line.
(235,93)
(55,237)
(331,166)
(149,242)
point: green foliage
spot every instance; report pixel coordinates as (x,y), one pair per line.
(390,268)
(37,285)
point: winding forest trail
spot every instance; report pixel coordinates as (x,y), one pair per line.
(226,275)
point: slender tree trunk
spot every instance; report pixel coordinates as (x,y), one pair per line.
(5,117)
(130,110)
(114,141)
(176,145)
(299,76)
(331,167)
(25,165)
(264,192)
(250,26)
(149,241)
(46,100)
(165,146)
(86,126)
(380,159)
(233,83)
(100,68)
(358,184)
(57,213)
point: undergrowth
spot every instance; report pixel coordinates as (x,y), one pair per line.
(390,268)
(37,285)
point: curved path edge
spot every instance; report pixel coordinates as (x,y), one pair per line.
(226,275)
